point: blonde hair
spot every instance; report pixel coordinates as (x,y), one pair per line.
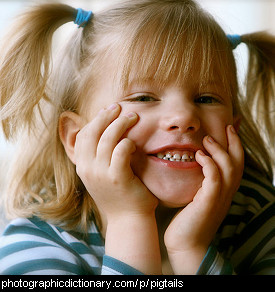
(155,38)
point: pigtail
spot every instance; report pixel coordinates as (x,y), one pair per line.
(260,87)
(25,64)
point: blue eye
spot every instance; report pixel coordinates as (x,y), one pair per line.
(143,98)
(206,99)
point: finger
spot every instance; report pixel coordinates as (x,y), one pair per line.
(235,148)
(236,153)
(212,181)
(121,158)
(87,139)
(217,152)
(230,164)
(220,157)
(111,136)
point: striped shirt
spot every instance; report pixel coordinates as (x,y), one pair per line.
(244,244)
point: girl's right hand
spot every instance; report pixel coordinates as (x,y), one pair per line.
(103,164)
(102,161)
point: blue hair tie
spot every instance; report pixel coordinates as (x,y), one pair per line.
(234,40)
(82,17)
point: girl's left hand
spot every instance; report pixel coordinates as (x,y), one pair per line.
(190,233)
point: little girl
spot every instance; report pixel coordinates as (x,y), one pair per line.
(130,160)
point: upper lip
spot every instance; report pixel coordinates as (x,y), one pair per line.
(179,147)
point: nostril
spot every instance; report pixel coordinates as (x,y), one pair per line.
(176,127)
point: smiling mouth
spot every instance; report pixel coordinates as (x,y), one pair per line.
(176,155)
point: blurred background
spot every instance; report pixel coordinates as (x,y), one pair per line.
(235,16)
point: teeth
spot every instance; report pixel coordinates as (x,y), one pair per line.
(185,157)
(177,157)
(168,155)
(160,155)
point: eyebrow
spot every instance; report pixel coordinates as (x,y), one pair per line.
(141,81)
(213,82)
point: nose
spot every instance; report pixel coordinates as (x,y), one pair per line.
(183,118)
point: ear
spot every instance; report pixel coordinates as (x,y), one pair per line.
(237,123)
(69,125)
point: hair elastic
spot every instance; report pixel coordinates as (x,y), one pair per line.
(234,40)
(82,17)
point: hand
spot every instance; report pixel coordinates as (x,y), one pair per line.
(126,206)
(193,228)
(103,164)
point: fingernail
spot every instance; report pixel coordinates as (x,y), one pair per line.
(232,129)
(131,115)
(200,152)
(210,139)
(112,106)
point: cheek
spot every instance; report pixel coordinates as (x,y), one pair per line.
(139,134)
(142,130)
(219,136)
(217,128)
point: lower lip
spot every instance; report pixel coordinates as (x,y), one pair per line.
(175,164)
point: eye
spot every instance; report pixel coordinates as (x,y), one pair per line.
(142,98)
(206,99)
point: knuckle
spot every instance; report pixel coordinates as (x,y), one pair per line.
(114,178)
(125,146)
(124,119)
(231,169)
(213,170)
(123,122)
(105,138)
(85,133)
(215,175)
(87,173)
(82,172)
(102,115)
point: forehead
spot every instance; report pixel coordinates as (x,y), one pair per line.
(160,67)
(171,55)
(168,44)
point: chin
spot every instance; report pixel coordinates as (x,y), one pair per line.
(174,186)
(176,195)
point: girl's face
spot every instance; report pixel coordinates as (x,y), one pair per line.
(173,120)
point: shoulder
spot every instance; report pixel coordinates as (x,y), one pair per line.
(30,246)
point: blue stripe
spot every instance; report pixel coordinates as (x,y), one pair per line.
(207,261)
(44,264)
(13,229)
(90,238)
(20,246)
(47,228)
(45,231)
(80,248)
(119,266)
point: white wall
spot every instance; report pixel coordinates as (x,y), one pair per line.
(235,16)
